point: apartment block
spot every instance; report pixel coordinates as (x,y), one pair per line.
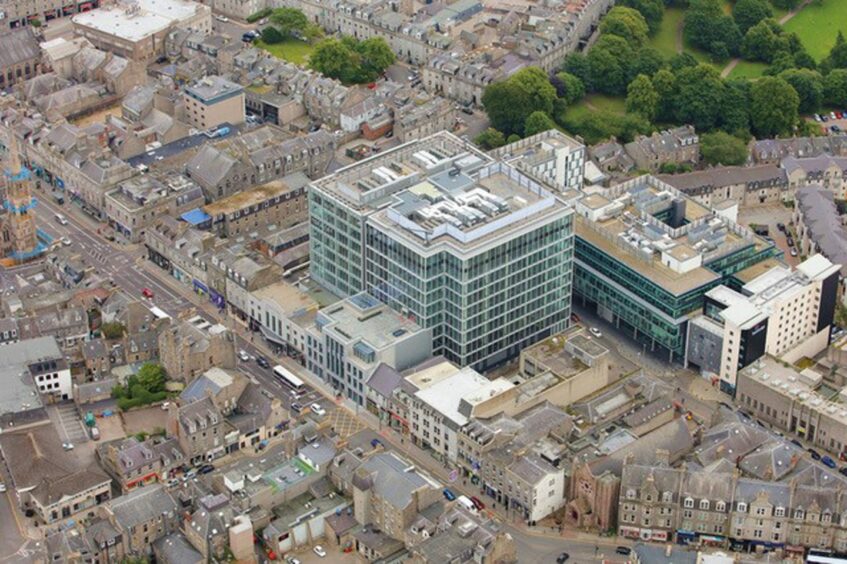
(214,101)
(779,312)
(550,156)
(466,245)
(274,203)
(350,339)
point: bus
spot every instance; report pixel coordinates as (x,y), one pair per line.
(288,378)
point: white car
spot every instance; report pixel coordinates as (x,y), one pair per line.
(66,241)
(319,550)
(68,446)
(222,18)
(318,410)
(166,405)
(596,332)
(242,354)
(2,487)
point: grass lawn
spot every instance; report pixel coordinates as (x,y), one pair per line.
(665,39)
(748,69)
(291,50)
(818,24)
(597,102)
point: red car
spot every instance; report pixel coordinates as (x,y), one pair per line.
(147,293)
(477,503)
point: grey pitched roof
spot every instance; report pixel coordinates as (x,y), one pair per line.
(142,505)
(386,474)
(51,490)
(385,380)
(18,46)
(210,165)
(820,215)
(175,549)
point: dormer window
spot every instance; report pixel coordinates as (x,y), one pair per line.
(689,502)
(779,512)
(799,514)
(704,504)
(720,506)
(741,507)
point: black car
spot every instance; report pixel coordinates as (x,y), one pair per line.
(781,227)
(625,550)
(843,471)
(797,443)
(206,468)
(563,557)
(814,454)
(262,361)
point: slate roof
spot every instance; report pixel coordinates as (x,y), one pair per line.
(385,474)
(52,490)
(142,505)
(175,549)
(820,216)
(385,380)
(18,46)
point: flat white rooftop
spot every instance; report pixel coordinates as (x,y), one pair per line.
(134,21)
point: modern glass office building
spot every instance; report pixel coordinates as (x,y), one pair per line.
(646,255)
(467,246)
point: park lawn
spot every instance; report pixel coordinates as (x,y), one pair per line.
(292,50)
(597,102)
(818,24)
(748,69)
(665,39)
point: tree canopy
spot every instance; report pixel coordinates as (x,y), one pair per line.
(720,148)
(626,23)
(352,61)
(510,102)
(652,10)
(748,13)
(538,122)
(642,98)
(773,107)
(707,26)
(809,87)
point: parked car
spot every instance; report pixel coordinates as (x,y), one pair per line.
(843,471)
(828,461)
(188,475)
(477,503)
(319,550)
(596,332)
(814,454)
(795,442)
(562,558)
(318,410)
(242,354)
(817,117)
(68,446)
(781,226)
(2,487)
(625,550)
(206,468)
(793,251)
(223,19)
(448,494)
(263,362)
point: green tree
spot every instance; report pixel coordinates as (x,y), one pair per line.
(535,83)
(35,22)
(513,138)
(334,59)
(761,42)
(577,64)
(607,75)
(538,122)
(626,23)
(699,93)
(773,107)
(647,61)
(112,330)
(652,10)
(809,87)
(707,26)
(835,88)
(720,148)
(290,22)
(837,58)
(271,35)
(490,139)
(748,13)
(735,107)
(664,82)
(682,60)
(376,56)
(151,377)
(785,4)
(572,88)
(642,97)
(507,106)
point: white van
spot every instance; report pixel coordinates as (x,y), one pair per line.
(466,503)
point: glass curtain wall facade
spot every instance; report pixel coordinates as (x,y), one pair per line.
(485,307)
(335,242)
